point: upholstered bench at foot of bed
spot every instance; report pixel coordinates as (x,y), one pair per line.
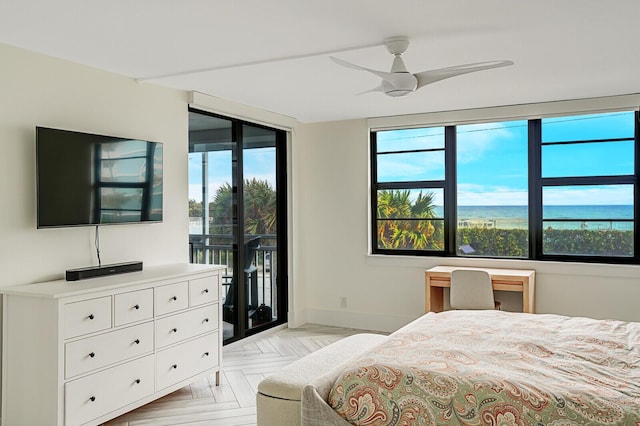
(279,395)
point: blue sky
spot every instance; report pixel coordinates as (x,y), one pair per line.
(492,159)
(259,164)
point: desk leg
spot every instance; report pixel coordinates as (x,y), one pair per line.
(528,302)
(434,298)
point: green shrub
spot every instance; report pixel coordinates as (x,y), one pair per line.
(515,242)
(597,242)
(495,242)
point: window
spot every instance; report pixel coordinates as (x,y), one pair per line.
(561,188)
(588,184)
(409,192)
(492,189)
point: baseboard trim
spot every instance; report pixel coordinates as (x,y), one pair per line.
(297,318)
(358,320)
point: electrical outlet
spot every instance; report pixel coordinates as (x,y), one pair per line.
(343,302)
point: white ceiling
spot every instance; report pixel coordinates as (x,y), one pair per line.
(275,54)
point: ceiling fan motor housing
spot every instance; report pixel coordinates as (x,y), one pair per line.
(403,84)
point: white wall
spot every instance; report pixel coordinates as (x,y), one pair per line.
(331,235)
(36,90)
(328,190)
(385,292)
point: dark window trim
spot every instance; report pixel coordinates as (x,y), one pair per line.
(573,142)
(450,190)
(408,185)
(535,188)
(237,125)
(406,151)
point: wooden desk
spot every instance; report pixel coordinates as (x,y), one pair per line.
(521,280)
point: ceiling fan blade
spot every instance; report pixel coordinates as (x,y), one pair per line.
(383,75)
(375,89)
(428,77)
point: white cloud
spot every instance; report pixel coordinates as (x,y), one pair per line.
(400,167)
(195,192)
(478,195)
(269,177)
(475,140)
(588,195)
(497,196)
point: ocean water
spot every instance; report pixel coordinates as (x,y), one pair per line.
(586,217)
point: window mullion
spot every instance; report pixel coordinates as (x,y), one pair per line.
(586,141)
(535,188)
(411,185)
(636,189)
(373,160)
(589,180)
(450,191)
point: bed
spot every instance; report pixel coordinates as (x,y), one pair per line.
(487,368)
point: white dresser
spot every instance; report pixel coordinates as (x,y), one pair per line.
(83,352)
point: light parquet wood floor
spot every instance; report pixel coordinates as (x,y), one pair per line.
(245,364)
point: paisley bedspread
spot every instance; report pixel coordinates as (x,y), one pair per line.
(496,368)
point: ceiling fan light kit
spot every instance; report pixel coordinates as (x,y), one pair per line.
(400,82)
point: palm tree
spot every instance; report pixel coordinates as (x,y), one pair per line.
(259,208)
(391,204)
(407,225)
(221,210)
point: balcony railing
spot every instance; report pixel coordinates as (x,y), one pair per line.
(218,249)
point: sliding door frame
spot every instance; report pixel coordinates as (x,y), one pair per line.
(241,314)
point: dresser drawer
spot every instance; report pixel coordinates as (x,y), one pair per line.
(96,395)
(185,325)
(133,306)
(204,290)
(87,316)
(181,362)
(94,352)
(172,298)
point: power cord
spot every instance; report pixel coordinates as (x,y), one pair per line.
(97,244)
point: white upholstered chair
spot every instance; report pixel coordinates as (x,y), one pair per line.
(471,289)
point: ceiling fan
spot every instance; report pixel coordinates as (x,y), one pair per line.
(400,82)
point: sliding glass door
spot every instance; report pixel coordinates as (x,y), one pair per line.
(237,213)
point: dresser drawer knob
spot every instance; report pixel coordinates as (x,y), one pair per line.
(174,366)
(93,398)
(137,381)
(175,330)
(206,320)
(136,307)
(137,341)
(174,298)
(92,354)
(206,354)
(206,290)
(91,316)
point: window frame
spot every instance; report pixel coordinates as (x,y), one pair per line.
(408,185)
(536,184)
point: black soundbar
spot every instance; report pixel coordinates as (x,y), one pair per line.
(101,271)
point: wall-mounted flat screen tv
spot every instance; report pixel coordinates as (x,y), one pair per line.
(86,179)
